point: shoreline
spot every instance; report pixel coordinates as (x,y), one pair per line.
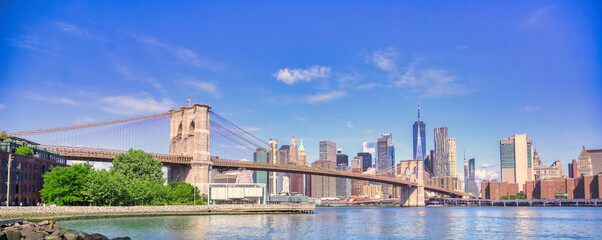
(90,212)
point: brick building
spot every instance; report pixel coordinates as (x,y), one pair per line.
(585,187)
(25,172)
(494,190)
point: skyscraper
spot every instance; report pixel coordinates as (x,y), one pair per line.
(342,159)
(370,147)
(299,182)
(366,160)
(585,164)
(293,158)
(301,155)
(573,166)
(419,138)
(471,186)
(296,179)
(260,176)
(382,159)
(390,150)
(322,186)
(440,162)
(465,171)
(516,160)
(273,158)
(452,157)
(328,151)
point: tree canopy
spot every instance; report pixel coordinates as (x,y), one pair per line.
(24,150)
(138,165)
(65,185)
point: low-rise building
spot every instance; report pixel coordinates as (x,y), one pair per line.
(494,190)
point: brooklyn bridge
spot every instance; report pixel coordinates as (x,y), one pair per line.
(193,140)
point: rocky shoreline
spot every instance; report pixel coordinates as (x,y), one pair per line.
(45,230)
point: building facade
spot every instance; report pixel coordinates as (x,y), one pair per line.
(452,155)
(260,177)
(573,166)
(322,186)
(419,138)
(328,151)
(440,163)
(370,147)
(343,188)
(585,164)
(516,160)
(342,159)
(366,160)
(596,157)
(471,184)
(273,176)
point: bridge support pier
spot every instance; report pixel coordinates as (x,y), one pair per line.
(412,196)
(189,136)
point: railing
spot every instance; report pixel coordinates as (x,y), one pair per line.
(101,154)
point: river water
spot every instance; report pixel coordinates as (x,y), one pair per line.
(364,223)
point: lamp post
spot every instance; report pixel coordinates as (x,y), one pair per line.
(10,159)
(194,191)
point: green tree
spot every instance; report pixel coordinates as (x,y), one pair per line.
(104,187)
(138,165)
(24,150)
(181,193)
(144,191)
(65,185)
(3,136)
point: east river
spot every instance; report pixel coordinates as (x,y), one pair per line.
(364,223)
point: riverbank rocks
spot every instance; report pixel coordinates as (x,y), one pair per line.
(45,230)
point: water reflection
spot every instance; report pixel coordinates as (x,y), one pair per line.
(363,222)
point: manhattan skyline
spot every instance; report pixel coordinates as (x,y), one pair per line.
(320,71)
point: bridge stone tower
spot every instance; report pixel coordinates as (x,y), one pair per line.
(412,170)
(189,136)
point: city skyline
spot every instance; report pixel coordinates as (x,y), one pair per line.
(347,81)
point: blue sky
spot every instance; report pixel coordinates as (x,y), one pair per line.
(344,71)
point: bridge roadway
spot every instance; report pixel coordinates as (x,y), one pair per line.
(107,155)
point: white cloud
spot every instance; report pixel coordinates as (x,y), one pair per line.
(290,76)
(54,100)
(367,86)
(487,165)
(128,74)
(349,125)
(31,42)
(324,97)
(529,109)
(184,55)
(461,47)
(482,174)
(83,120)
(2,106)
(432,82)
(538,17)
(76,31)
(129,105)
(383,59)
(205,86)
(96,165)
(299,118)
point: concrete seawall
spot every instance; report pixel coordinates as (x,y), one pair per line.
(50,213)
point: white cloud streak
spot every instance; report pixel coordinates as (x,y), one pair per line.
(324,97)
(205,87)
(538,17)
(487,165)
(83,120)
(291,76)
(383,59)
(350,125)
(128,74)
(77,31)
(48,99)
(483,174)
(184,55)
(529,109)
(129,105)
(432,82)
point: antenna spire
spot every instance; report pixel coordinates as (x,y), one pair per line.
(418,111)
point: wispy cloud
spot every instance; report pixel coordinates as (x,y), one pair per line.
(291,76)
(49,99)
(205,87)
(299,118)
(529,109)
(83,120)
(184,55)
(461,47)
(383,59)
(487,165)
(539,17)
(432,82)
(30,42)
(350,125)
(2,106)
(324,97)
(130,105)
(128,74)
(367,86)
(483,174)
(77,31)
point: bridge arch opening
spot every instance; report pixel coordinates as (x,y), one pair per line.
(179,129)
(191,128)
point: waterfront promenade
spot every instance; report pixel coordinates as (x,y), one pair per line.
(67,212)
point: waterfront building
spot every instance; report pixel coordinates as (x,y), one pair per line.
(585,164)
(373,191)
(236,193)
(25,171)
(452,157)
(244,176)
(260,155)
(471,184)
(322,186)
(516,160)
(583,187)
(596,158)
(370,147)
(494,190)
(328,151)
(419,139)
(448,182)
(554,171)
(357,186)
(440,161)
(342,159)
(273,158)
(573,166)
(366,160)
(343,185)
